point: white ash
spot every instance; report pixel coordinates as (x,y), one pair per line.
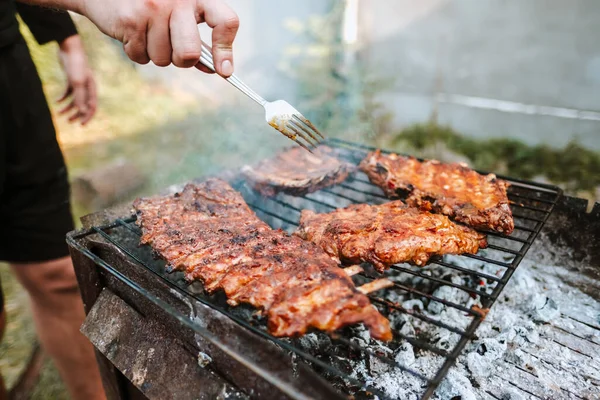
(516,343)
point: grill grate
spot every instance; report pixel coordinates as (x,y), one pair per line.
(482,277)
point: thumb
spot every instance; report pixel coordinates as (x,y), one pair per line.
(225,24)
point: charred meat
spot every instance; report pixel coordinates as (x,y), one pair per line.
(454,190)
(387,234)
(209,232)
(297,172)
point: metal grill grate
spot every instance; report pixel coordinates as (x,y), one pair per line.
(481,276)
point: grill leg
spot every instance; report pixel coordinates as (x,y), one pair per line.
(116,386)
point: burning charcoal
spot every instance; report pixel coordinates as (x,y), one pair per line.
(362,333)
(399,386)
(523,334)
(542,309)
(456,386)
(512,394)
(341,364)
(314,342)
(408,330)
(435,307)
(414,305)
(445,340)
(376,364)
(523,281)
(505,321)
(482,360)
(518,357)
(448,293)
(405,355)
(401,323)
(357,341)
(464,262)
(395,297)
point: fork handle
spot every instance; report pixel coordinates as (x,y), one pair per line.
(206,59)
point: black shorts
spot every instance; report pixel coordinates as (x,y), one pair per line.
(35,211)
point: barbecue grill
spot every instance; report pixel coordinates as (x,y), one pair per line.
(135,308)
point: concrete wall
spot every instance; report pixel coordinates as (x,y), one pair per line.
(524,69)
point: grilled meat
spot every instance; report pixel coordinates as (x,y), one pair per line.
(387,234)
(209,232)
(297,172)
(450,189)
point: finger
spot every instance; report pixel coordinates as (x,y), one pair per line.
(68,108)
(135,46)
(185,37)
(80,97)
(92,101)
(66,94)
(75,116)
(204,68)
(159,43)
(225,24)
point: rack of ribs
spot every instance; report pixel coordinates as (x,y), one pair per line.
(454,190)
(209,232)
(387,234)
(297,172)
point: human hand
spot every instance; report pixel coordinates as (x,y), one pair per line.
(166,31)
(81,87)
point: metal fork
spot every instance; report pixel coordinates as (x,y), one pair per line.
(279,114)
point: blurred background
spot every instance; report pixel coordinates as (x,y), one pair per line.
(504,85)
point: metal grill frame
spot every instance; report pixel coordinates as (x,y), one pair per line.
(533,202)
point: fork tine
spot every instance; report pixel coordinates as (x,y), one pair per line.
(309,124)
(304,133)
(305,128)
(290,136)
(297,134)
(298,130)
(303,145)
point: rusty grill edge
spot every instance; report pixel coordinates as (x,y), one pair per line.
(531,203)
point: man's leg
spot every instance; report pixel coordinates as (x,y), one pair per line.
(58,314)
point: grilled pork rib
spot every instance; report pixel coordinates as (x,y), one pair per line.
(387,234)
(297,172)
(210,233)
(450,189)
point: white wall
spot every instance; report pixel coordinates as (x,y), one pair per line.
(541,58)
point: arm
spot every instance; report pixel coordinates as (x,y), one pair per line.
(49,25)
(161,31)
